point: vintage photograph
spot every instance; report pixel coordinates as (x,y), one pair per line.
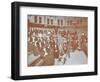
(57,40)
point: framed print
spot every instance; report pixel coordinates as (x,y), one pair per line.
(53,40)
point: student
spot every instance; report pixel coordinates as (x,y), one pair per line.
(48,57)
(56,51)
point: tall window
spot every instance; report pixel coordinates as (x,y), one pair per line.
(40,20)
(51,21)
(58,22)
(61,22)
(47,21)
(35,19)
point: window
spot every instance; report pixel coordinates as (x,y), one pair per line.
(61,22)
(40,20)
(51,21)
(35,19)
(58,22)
(47,21)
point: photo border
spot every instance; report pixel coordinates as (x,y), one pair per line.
(15,40)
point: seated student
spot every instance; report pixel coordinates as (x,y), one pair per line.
(66,51)
(65,47)
(61,59)
(36,49)
(52,42)
(73,42)
(48,57)
(84,44)
(56,51)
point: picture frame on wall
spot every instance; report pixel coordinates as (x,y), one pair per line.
(53,40)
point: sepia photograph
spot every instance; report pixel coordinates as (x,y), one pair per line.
(57,40)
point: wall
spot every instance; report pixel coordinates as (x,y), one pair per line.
(5,40)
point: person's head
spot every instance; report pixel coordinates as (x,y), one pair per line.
(42,52)
(82,33)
